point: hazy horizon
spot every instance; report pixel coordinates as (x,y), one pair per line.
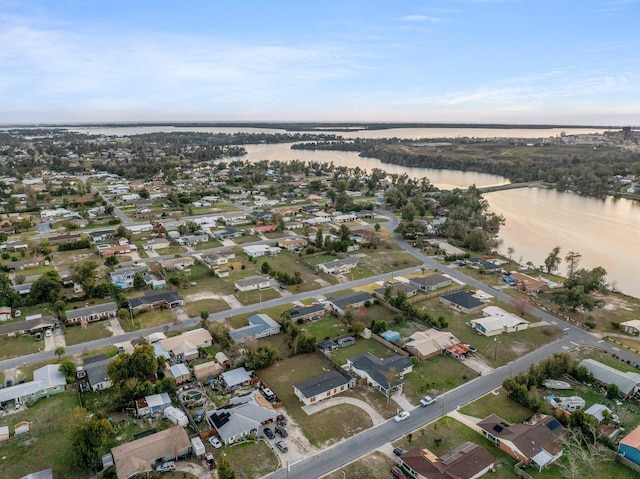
(410,61)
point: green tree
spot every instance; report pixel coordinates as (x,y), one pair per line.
(613,391)
(204,314)
(90,438)
(68,368)
(225,471)
(111,261)
(553,260)
(46,289)
(59,351)
(141,364)
(84,273)
(138,281)
(8,296)
(357,327)
(260,357)
(143,193)
(409,212)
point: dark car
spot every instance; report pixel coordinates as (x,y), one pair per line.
(9,383)
(398,473)
(269,433)
(398,451)
(199,415)
(211,462)
(281,431)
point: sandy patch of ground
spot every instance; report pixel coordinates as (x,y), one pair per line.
(612,303)
(201,296)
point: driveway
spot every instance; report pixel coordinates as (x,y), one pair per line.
(376,417)
(198,471)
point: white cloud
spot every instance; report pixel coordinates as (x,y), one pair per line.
(421,18)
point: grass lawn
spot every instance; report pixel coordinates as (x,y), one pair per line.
(327,327)
(193,308)
(381,261)
(373,466)
(292,263)
(449,434)
(78,334)
(20,346)
(498,404)
(148,319)
(252,459)
(208,244)
(245,239)
(585,352)
(49,425)
(341,355)
(630,344)
(257,296)
(608,470)
(434,376)
(322,428)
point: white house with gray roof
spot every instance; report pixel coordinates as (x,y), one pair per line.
(91,314)
(243,417)
(339,266)
(321,387)
(47,380)
(255,282)
(260,326)
(340,303)
(628,382)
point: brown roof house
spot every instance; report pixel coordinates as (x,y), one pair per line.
(140,456)
(429,343)
(467,461)
(537,442)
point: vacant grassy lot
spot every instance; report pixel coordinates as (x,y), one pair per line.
(325,427)
(362,346)
(498,404)
(193,308)
(257,296)
(326,328)
(78,334)
(373,466)
(50,437)
(208,245)
(148,319)
(252,459)
(20,346)
(434,376)
(381,261)
(291,263)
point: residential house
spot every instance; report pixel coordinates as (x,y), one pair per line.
(327,346)
(354,300)
(47,380)
(347,218)
(156,243)
(235,218)
(339,266)
(180,373)
(22,289)
(629,446)
(226,234)
(124,277)
(21,265)
(235,378)
(91,314)
(483,264)
(28,326)
(153,404)
(538,442)
(172,264)
(467,461)
(259,250)
(430,283)
(142,455)
(376,370)
(497,321)
(429,343)
(321,387)
(115,250)
(156,281)
(206,371)
(631,327)
(262,229)
(304,314)
(293,245)
(185,346)
(243,417)
(450,250)
(628,382)
(14,246)
(101,235)
(462,301)
(65,238)
(529,284)
(150,301)
(394,289)
(260,326)
(255,282)
(97,374)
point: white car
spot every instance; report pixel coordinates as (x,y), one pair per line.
(215,442)
(425,401)
(401,416)
(48,333)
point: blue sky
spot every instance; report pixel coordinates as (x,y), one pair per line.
(561,61)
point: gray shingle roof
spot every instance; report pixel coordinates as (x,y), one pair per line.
(320,384)
(348,299)
(463,299)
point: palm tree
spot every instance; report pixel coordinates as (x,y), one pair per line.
(59,351)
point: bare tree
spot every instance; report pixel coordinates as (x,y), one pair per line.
(391,377)
(573,260)
(510,251)
(582,453)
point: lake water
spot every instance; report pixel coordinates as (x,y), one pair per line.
(606,233)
